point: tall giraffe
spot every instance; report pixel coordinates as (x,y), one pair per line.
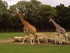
(27,26)
(59,29)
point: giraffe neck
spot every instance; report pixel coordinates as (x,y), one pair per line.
(55,24)
(21,19)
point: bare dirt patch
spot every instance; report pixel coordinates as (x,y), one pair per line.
(6,40)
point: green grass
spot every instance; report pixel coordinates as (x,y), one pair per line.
(14,48)
(9,35)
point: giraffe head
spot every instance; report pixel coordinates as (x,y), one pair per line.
(50,19)
(16,12)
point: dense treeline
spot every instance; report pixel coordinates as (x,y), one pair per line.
(35,13)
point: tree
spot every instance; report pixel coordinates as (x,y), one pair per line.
(46,10)
(61,12)
(3,11)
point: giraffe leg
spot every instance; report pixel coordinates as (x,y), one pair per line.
(31,42)
(35,37)
(27,33)
(38,41)
(23,41)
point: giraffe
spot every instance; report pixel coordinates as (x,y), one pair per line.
(27,26)
(59,29)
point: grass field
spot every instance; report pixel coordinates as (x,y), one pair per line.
(13,48)
(9,35)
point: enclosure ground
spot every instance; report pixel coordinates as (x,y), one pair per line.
(10,36)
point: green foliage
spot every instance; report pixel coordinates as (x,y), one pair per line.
(3,12)
(35,13)
(46,11)
(63,15)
